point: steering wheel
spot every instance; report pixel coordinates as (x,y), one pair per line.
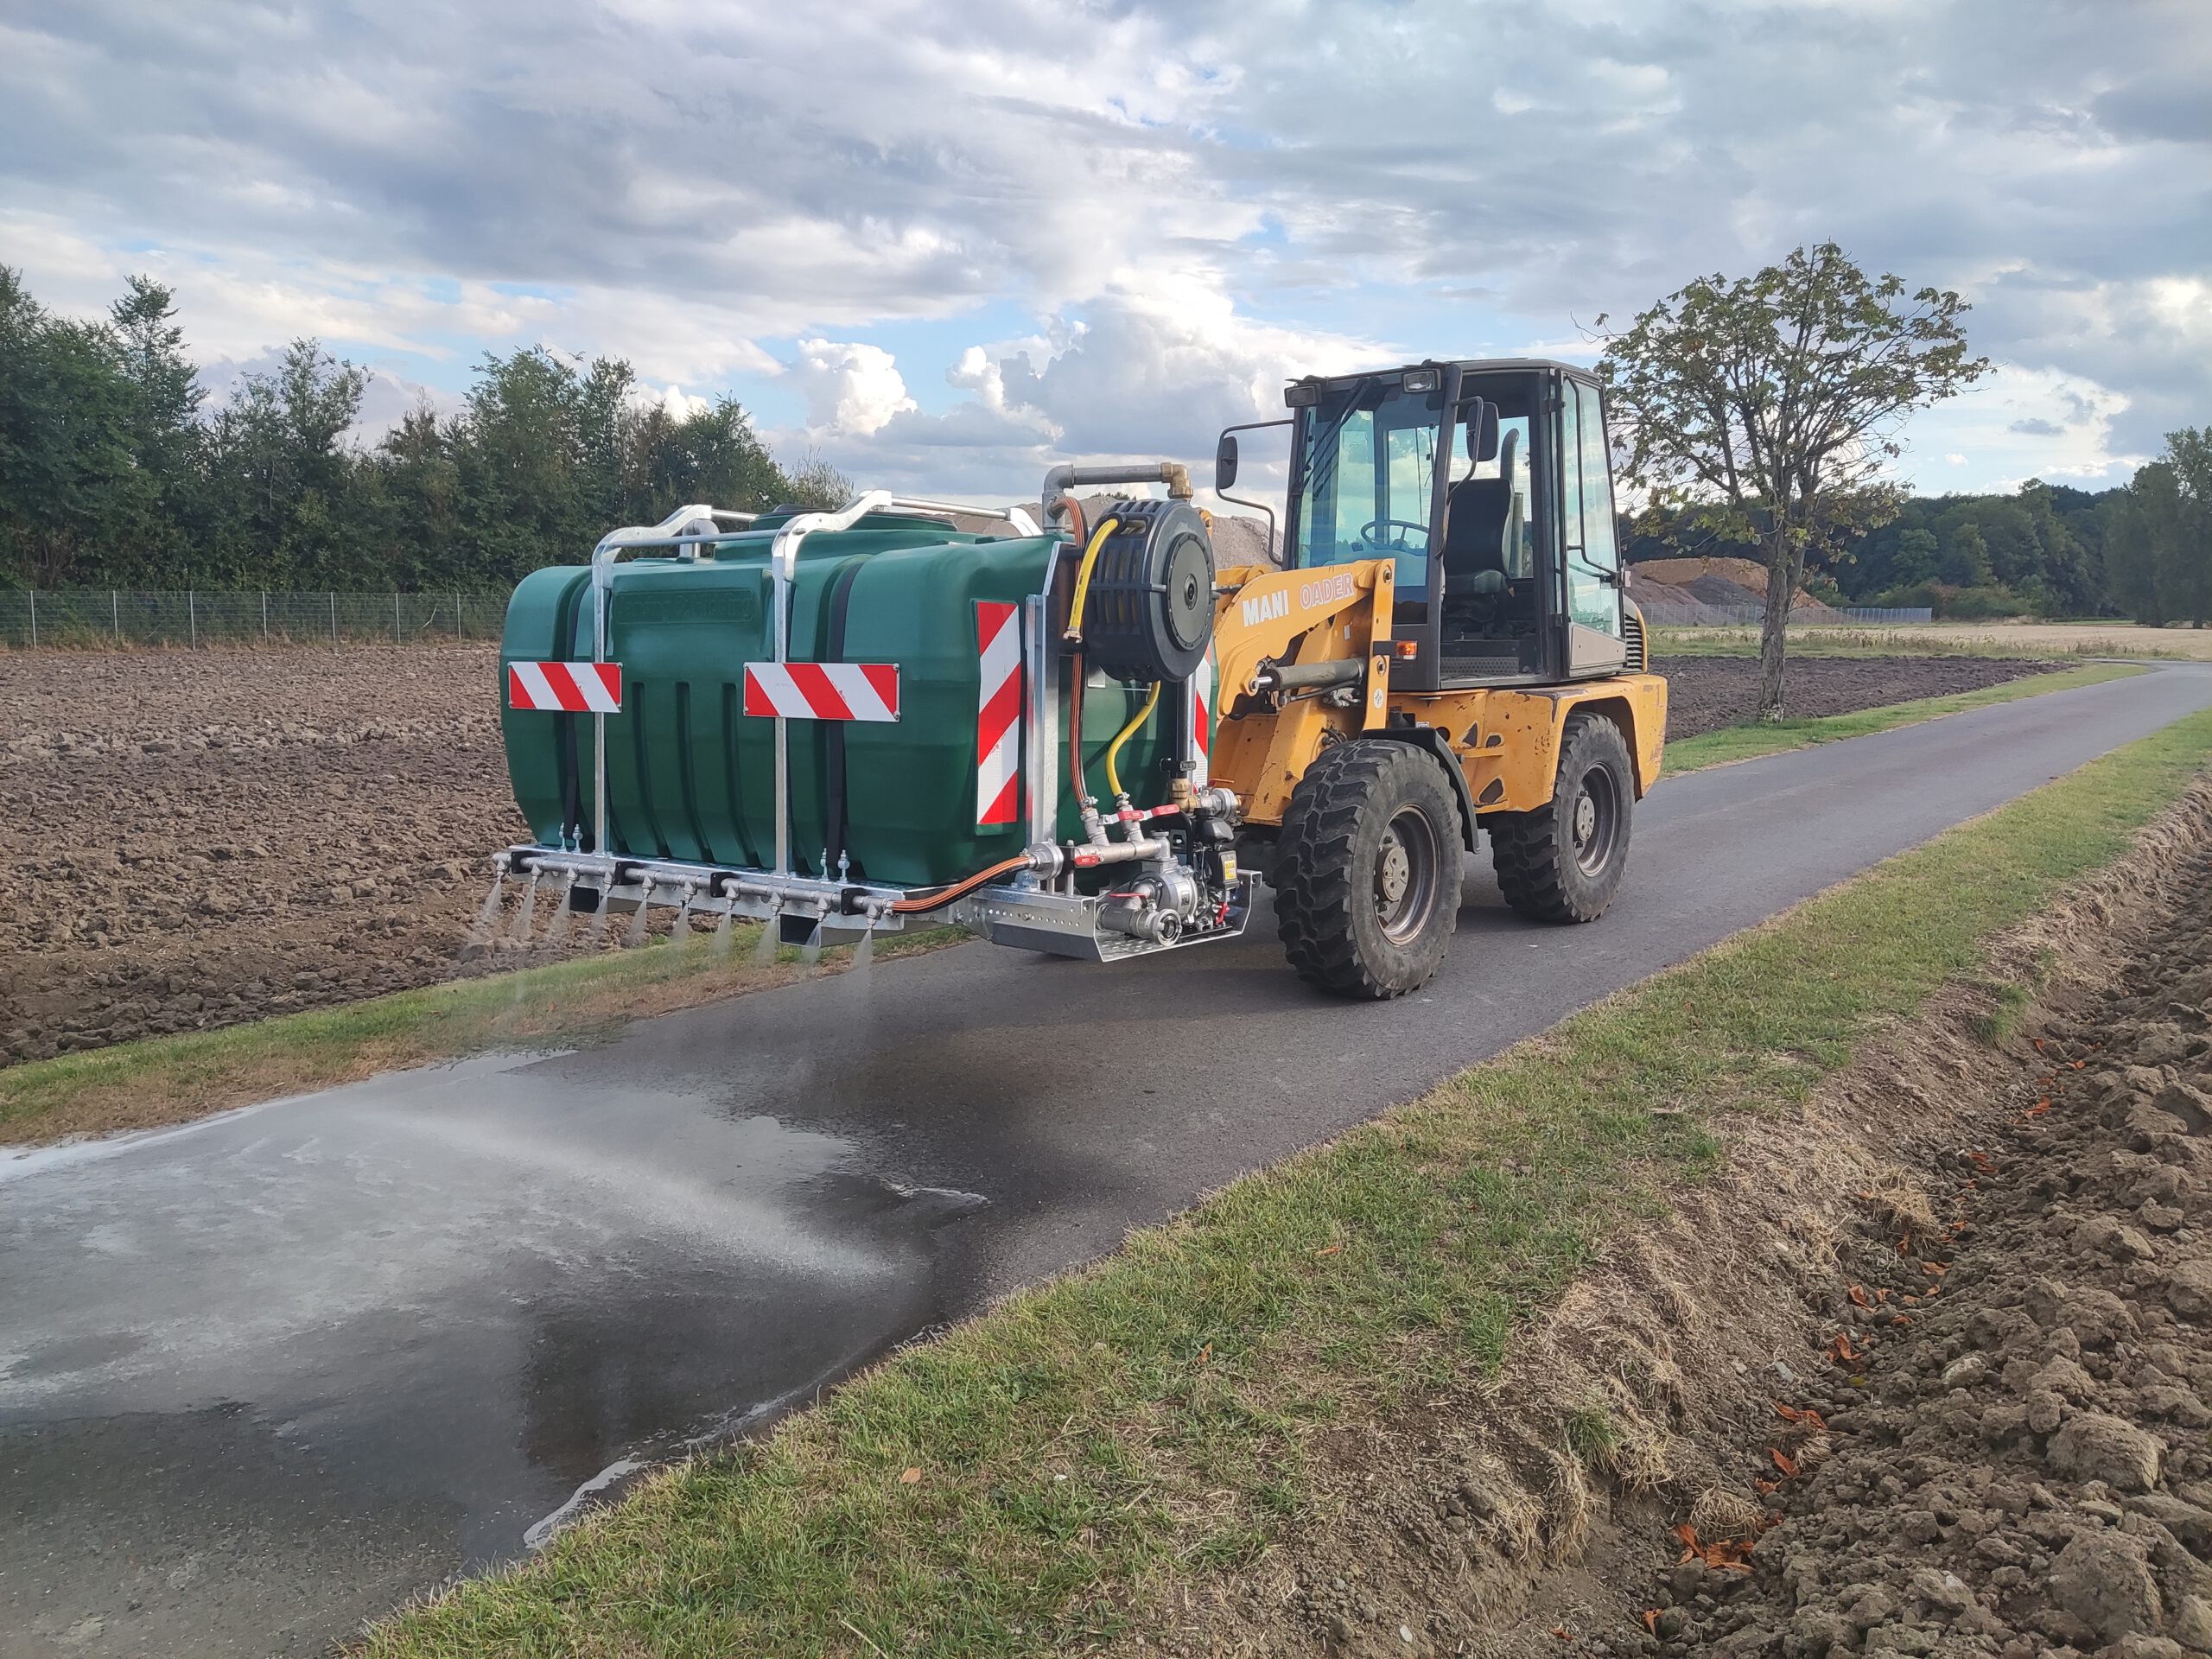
(1367,531)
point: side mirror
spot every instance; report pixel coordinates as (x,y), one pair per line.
(1481,417)
(1224,462)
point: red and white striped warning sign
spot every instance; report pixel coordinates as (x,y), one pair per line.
(822,690)
(570,688)
(998,715)
(1202,696)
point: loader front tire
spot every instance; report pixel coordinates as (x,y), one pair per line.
(1367,869)
(1563,861)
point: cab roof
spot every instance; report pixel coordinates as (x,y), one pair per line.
(1465,364)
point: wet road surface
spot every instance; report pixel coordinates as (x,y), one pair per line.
(264,1375)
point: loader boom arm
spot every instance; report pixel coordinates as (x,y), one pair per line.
(1269,619)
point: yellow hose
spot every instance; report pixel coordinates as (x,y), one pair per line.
(1113,749)
(1083,573)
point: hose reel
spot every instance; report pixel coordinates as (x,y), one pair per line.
(1148,613)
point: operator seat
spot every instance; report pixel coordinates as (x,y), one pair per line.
(1480,515)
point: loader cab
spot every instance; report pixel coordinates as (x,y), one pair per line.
(1490,484)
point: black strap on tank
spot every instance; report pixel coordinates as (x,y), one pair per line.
(572,803)
(834,759)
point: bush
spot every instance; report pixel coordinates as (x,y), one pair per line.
(1950,604)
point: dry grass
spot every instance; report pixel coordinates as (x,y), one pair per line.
(1970,639)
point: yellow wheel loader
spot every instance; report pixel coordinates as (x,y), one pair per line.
(1451,655)
(840,723)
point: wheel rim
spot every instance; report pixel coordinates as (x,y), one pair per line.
(1406,866)
(1595,820)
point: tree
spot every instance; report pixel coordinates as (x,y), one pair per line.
(1916,562)
(65,466)
(280,484)
(1965,560)
(1773,401)
(161,411)
(2181,527)
(2130,560)
(818,484)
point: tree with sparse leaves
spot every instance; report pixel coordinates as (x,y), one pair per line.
(1772,403)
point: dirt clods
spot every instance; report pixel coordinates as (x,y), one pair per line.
(2016,1461)
(1926,1369)
(194,839)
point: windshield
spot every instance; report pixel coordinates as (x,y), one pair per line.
(1369,475)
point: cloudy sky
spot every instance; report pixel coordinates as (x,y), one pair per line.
(945,243)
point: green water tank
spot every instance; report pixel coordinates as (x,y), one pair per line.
(691,776)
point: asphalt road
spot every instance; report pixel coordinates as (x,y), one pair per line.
(264,1375)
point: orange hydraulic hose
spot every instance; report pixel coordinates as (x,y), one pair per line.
(961,889)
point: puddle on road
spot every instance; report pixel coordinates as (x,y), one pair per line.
(374,1338)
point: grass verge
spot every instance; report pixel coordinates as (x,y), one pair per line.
(168,1079)
(1748,742)
(1025,1484)
(2060,641)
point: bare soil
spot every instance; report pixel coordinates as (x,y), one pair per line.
(191,840)
(194,839)
(1928,1370)
(1706,693)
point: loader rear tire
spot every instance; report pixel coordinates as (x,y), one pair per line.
(1563,861)
(1367,870)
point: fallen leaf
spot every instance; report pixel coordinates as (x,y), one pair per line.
(1933,1269)
(1817,1422)
(1900,1318)
(1688,1533)
(1857,1294)
(1883,1294)
(1560,1630)
(912,1478)
(2078,1065)
(1765,1486)
(1651,1620)
(1788,1414)
(1904,1245)
(1205,1353)
(1328,1249)
(1782,1462)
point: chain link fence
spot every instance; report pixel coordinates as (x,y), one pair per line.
(1751,616)
(91,618)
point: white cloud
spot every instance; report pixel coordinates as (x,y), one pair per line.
(851,390)
(2020,423)
(1188,199)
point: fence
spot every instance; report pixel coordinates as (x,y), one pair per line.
(100,616)
(1751,616)
(103,616)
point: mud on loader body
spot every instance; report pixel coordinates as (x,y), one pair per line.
(838,722)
